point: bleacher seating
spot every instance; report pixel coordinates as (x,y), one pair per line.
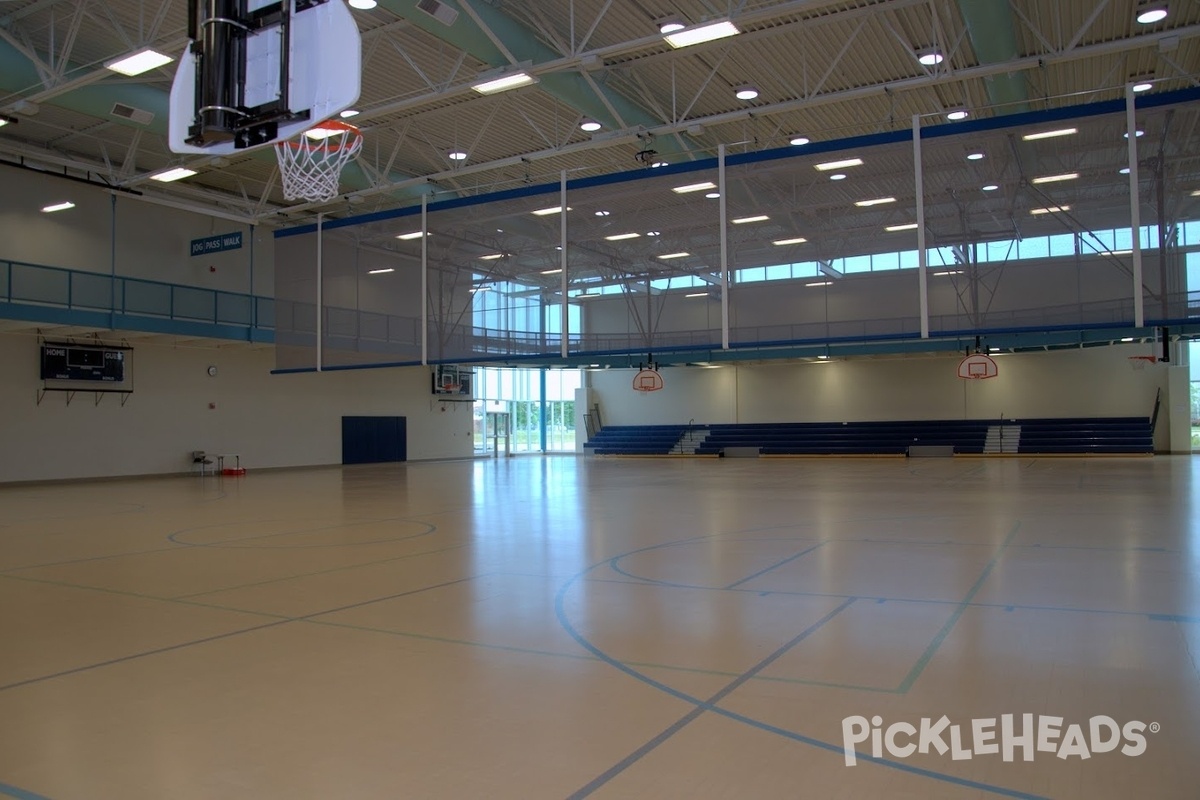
(1107,435)
(1110,435)
(847,438)
(635,440)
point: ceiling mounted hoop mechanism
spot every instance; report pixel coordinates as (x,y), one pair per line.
(311,165)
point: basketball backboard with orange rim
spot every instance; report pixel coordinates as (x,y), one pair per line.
(648,380)
(267,75)
(978,367)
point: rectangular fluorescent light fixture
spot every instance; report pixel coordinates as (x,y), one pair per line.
(697,294)
(911,226)
(674,255)
(1115,253)
(3,121)
(380,271)
(141,61)
(551,271)
(694,187)
(407,236)
(819,283)
(949,272)
(1066,176)
(845,162)
(616,237)
(876,202)
(796,240)
(744,220)
(491,257)
(701,33)
(168,175)
(504,83)
(1031,137)
(482,289)
(1049,210)
(545,212)
(58,207)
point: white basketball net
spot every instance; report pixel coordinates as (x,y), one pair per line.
(310,167)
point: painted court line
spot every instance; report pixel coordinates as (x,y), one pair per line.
(683,721)
(20,794)
(776,565)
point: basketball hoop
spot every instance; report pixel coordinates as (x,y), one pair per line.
(1139,362)
(978,367)
(647,380)
(311,165)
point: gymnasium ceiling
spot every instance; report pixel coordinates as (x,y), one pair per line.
(823,68)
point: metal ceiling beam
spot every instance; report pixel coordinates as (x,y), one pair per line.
(994,39)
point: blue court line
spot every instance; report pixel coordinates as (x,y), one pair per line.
(560,612)
(1173,618)
(930,651)
(686,719)
(20,794)
(762,572)
(278,621)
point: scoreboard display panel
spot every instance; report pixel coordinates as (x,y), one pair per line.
(75,362)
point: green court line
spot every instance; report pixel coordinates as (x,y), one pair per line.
(963,605)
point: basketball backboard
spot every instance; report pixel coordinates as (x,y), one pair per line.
(268,75)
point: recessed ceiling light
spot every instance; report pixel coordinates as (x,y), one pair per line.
(504,83)
(491,256)
(796,240)
(977,156)
(991,187)
(58,207)
(911,226)
(797,141)
(380,271)
(142,61)
(1030,137)
(670,26)
(744,220)
(1142,84)
(745,93)
(845,162)
(4,121)
(665,256)
(694,187)
(590,125)
(1138,133)
(349,112)
(1150,13)
(713,195)
(956,114)
(879,201)
(685,37)
(545,212)
(1049,210)
(653,233)
(407,236)
(362,5)
(603,213)
(1195,193)
(930,56)
(173,174)
(616,237)
(658,164)
(1124,170)
(456,155)
(1066,176)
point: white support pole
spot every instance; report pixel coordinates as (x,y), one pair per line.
(1135,209)
(424,279)
(562,262)
(320,288)
(724,247)
(922,258)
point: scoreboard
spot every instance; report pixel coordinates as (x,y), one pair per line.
(77,362)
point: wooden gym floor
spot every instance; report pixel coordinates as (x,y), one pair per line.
(562,627)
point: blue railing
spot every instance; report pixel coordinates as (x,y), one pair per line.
(133,302)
